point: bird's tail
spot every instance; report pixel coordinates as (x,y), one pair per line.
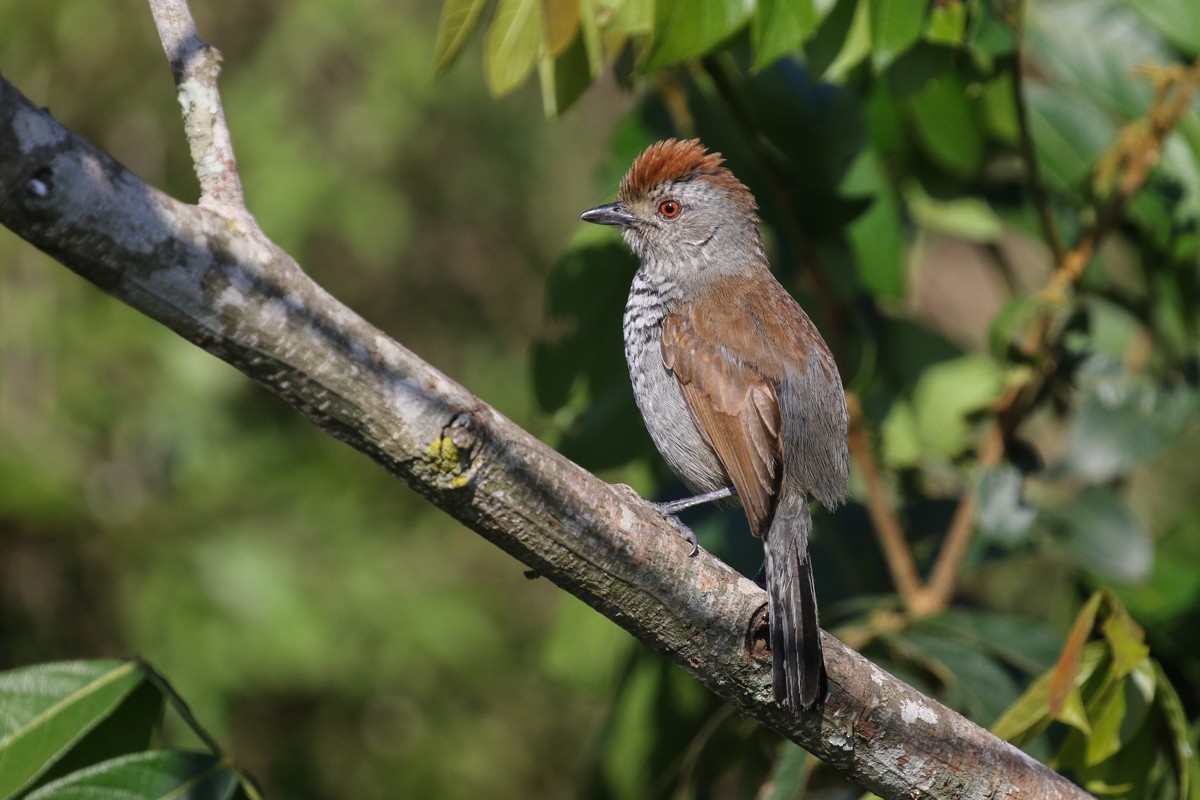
(799,665)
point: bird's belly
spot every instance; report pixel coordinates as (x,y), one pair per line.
(666,415)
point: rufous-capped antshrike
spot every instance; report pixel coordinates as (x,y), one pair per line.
(735,383)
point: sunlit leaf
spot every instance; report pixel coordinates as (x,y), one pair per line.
(513,44)
(1125,638)
(565,78)
(900,441)
(875,236)
(686,29)
(50,707)
(455,27)
(946,393)
(561,24)
(781,26)
(153,775)
(965,217)
(947,22)
(842,41)
(626,16)
(894,28)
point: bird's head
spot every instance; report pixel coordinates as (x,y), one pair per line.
(681,210)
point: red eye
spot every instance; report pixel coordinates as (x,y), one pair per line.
(669,208)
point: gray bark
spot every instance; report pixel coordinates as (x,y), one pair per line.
(214,279)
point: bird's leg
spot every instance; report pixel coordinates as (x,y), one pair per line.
(675,506)
(669,511)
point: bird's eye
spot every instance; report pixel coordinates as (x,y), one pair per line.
(669,208)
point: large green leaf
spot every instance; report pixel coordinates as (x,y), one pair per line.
(50,707)
(153,775)
(686,29)
(781,26)
(894,28)
(1177,20)
(1104,535)
(946,127)
(455,27)
(842,41)
(946,394)
(513,44)
(875,236)
(1123,418)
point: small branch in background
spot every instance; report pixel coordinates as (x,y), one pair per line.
(888,530)
(196,65)
(1037,191)
(1126,168)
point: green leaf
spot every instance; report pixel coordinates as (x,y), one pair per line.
(966,217)
(1104,535)
(1125,639)
(132,727)
(842,41)
(789,775)
(781,26)
(1177,20)
(50,707)
(945,126)
(153,775)
(454,28)
(513,43)
(875,236)
(564,78)
(947,22)
(1170,706)
(1026,718)
(1069,133)
(901,444)
(562,23)
(687,29)
(1003,514)
(946,393)
(895,27)
(630,17)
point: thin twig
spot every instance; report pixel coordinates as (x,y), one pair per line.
(888,530)
(1127,167)
(196,65)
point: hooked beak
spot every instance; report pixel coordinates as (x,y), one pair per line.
(611,214)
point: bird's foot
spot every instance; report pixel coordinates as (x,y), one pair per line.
(667,510)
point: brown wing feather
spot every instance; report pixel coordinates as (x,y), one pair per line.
(736,409)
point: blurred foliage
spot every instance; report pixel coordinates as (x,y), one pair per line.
(151,500)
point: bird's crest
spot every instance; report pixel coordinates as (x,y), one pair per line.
(673,160)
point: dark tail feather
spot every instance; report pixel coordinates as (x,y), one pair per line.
(799,665)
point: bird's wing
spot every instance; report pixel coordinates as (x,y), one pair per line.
(734,404)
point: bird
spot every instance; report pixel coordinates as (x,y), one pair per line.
(738,390)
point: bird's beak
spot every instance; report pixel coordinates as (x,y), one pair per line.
(611,214)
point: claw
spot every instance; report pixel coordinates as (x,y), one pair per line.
(687,533)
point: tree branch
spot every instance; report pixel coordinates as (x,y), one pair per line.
(242,299)
(196,65)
